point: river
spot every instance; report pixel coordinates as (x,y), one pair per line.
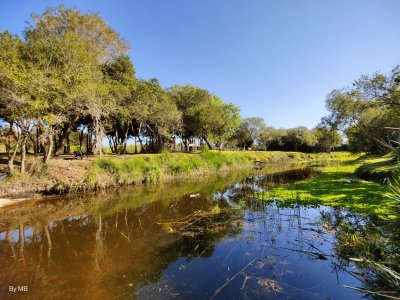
(194,239)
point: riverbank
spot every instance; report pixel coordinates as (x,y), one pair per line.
(65,174)
(377,167)
(338,186)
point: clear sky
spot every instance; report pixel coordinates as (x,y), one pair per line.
(275,59)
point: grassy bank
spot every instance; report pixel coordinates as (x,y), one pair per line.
(64,174)
(150,168)
(376,167)
(337,186)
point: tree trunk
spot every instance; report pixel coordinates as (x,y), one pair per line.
(37,146)
(88,148)
(208,143)
(98,137)
(116,140)
(55,143)
(387,146)
(23,153)
(66,130)
(135,146)
(125,138)
(10,161)
(47,155)
(140,140)
(141,145)
(68,145)
(81,139)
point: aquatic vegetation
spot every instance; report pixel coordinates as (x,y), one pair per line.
(336,186)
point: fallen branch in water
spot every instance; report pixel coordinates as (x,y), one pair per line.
(218,290)
(318,255)
(312,246)
(181,220)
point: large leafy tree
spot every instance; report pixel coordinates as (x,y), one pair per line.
(367,111)
(76,47)
(249,131)
(205,115)
(271,136)
(299,137)
(231,120)
(327,138)
(154,114)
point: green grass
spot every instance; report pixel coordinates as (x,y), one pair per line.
(131,169)
(331,188)
(377,167)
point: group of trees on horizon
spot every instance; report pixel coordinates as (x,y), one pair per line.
(69,80)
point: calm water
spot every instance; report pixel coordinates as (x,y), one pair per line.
(194,240)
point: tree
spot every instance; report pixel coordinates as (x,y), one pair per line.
(367,110)
(204,115)
(20,93)
(300,137)
(270,135)
(154,114)
(120,78)
(327,138)
(231,120)
(75,47)
(249,131)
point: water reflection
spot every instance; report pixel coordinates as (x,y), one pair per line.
(182,240)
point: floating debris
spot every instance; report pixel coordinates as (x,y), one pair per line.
(265,283)
(270,284)
(216,220)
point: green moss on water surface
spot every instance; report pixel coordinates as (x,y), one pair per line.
(337,186)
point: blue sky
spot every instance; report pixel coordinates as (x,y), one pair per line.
(275,59)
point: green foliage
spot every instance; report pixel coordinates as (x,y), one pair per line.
(366,110)
(249,131)
(166,156)
(327,138)
(180,167)
(300,136)
(205,115)
(216,159)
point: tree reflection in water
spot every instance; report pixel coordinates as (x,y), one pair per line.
(181,240)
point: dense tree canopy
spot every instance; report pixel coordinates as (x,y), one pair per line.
(70,72)
(368,112)
(205,115)
(69,78)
